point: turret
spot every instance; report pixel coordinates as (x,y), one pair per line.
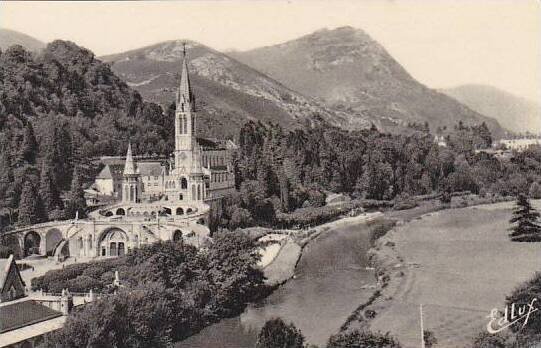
(129,167)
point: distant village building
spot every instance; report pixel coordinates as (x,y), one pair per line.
(520,144)
(440,140)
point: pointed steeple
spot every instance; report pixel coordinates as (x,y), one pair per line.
(129,167)
(185,98)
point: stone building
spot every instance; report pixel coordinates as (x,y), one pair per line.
(200,169)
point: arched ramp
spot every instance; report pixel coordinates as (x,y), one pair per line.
(53,237)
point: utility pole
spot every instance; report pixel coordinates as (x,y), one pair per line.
(422,329)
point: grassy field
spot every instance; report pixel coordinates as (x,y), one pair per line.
(459,264)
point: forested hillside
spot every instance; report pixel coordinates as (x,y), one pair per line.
(60,108)
(278,171)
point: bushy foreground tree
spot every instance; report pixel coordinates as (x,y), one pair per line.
(276,333)
(171,290)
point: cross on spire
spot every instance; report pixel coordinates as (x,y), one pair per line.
(185,98)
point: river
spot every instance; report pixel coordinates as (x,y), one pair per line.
(327,288)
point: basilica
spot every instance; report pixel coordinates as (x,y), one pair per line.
(199,171)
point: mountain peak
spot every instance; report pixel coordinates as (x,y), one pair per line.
(347,69)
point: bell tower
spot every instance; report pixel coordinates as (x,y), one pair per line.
(185,122)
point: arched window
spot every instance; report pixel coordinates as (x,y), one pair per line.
(193,192)
(183,183)
(198,192)
(185,124)
(180,211)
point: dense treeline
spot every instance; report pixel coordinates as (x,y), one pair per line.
(58,109)
(169,291)
(279,171)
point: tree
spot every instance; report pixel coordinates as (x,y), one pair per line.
(527,229)
(241,218)
(30,207)
(76,201)
(362,339)
(487,340)
(535,190)
(29,146)
(48,189)
(275,333)
(429,339)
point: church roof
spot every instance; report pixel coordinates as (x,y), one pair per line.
(105,173)
(5,266)
(150,168)
(111,171)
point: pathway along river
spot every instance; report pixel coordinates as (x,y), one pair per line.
(327,288)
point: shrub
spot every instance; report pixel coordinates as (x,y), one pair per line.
(276,333)
(364,339)
(403,202)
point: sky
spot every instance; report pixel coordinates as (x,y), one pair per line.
(442,43)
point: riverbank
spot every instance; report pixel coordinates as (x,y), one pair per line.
(458,263)
(279,265)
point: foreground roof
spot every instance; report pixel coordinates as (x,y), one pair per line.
(24,313)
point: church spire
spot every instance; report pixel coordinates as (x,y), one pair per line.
(185,98)
(129,167)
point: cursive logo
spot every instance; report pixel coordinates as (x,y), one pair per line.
(511,315)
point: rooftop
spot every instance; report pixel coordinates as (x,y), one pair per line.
(24,313)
